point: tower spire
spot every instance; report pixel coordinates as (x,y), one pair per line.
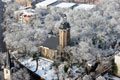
(64,24)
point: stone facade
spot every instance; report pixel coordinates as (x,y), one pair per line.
(7,74)
(64,37)
(117,64)
(24,2)
(7,68)
(16,16)
(48,53)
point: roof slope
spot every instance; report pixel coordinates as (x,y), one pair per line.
(51,43)
(65,5)
(46,3)
(84,6)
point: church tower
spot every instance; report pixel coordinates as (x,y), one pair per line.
(7,69)
(64,34)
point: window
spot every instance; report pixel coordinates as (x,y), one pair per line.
(7,71)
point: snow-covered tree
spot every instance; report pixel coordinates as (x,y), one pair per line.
(21,74)
(100,78)
(87,77)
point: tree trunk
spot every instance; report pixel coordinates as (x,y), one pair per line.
(36,65)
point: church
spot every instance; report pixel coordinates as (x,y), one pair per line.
(49,48)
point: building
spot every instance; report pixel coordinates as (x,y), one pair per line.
(117,64)
(64,35)
(87,1)
(84,7)
(18,14)
(28,16)
(49,48)
(45,4)
(66,5)
(7,69)
(25,15)
(25,3)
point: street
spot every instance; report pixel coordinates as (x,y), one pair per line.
(1,75)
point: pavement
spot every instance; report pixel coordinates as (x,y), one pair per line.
(1,75)
(2,44)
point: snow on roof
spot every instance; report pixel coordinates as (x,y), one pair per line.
(6,0)
(46,3)
(19,11)
(49,43)
(44,68)
(23,8)
(65,5)
(84,6)
(26,12)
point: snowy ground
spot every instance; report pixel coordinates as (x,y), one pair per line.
(44,70)
(47,71)
(111,77)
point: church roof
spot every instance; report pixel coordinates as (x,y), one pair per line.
(51,43)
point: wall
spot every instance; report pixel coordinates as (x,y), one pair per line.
(24,2)
(48,53)
(117,64)
(16,16)
(27,20)
(7,74)
(64,37)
